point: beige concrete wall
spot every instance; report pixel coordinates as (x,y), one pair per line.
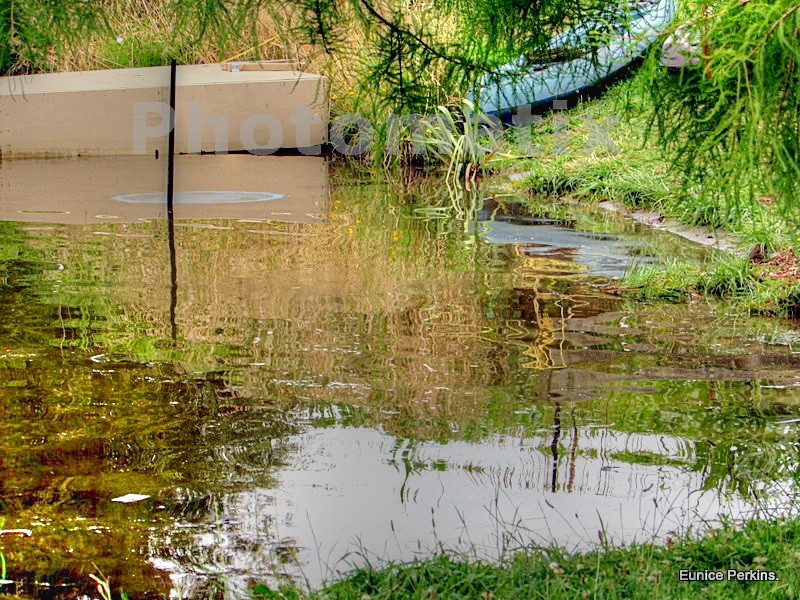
(92,113)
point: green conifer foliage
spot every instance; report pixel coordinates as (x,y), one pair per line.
(731,122)
(30,29)
(416,54)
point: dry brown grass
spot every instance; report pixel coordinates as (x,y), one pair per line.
(139,28)
(150,32)
(782,266)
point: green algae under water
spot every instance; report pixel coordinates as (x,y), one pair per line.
(359,376)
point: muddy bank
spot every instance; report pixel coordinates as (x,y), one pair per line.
(719,239)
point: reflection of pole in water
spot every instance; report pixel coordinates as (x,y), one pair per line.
(173,267)
(573,451)
(554,445)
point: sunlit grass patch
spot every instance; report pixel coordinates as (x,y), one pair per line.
(621,167)
(610,178)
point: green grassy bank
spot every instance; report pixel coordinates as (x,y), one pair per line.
(631,171)
(757,561)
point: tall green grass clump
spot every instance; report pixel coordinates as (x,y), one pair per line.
(639,572)
(733,279)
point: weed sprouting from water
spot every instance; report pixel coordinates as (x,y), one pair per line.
(3,570)
(464,142)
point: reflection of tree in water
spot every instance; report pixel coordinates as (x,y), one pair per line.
(345,323)
(184,444)
(78,432)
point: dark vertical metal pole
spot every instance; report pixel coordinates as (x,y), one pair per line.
(173,267)
(554,445)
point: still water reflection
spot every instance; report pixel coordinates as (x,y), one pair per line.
(352,377)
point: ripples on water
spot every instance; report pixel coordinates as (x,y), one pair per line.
(351,377)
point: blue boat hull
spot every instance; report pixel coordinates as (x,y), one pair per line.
(627,36)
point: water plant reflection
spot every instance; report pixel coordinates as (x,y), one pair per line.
(348,375)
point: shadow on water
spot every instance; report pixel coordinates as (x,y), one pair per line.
(352,371)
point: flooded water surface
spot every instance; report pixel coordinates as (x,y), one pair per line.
(351,375)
